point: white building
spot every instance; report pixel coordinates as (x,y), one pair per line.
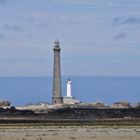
(69,99)
(123,104)
(69,88)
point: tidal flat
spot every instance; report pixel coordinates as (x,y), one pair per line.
(25,132)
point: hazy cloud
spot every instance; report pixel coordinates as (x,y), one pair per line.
(1,35)
(116,21)
(42,24)
(132,20)
(19,60)
(129,21)
(76,1)
(13,27)
(120,36)
(3,1)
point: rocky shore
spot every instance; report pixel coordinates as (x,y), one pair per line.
(85,115)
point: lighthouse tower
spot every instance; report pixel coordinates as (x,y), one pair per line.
(69,88)
(57,95)
(69,99)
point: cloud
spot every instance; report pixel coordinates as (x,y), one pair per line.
(3,1)
(116,21)
(1,35)
(132,20)
(13,27)
(120,36)
(126,21)
(76,2)
(19,60)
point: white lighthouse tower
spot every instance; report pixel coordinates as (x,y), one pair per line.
(69,99)
(69,88)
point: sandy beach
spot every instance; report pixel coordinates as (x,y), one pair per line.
(69,133)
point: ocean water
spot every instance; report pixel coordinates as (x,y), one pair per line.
(24,90)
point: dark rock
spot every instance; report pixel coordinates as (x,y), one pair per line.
(15,112)
(77,113)
(93,113)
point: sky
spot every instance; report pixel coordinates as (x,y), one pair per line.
(97,37)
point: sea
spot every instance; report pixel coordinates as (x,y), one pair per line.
(108,89)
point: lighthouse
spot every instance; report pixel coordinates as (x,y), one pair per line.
(69,88)
(57,95)
(69,99)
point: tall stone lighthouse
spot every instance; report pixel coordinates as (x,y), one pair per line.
(57,92)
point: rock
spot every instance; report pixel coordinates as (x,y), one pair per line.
(15,112)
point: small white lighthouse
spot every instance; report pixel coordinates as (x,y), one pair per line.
(69,88)
(69,99)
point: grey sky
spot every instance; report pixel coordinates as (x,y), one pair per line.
(97,37)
